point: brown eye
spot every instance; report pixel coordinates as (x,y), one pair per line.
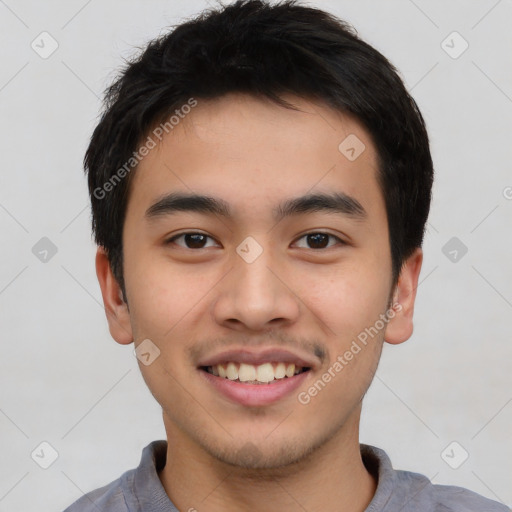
(192,240)
(319,240)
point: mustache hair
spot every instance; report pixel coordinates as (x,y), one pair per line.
(269,338)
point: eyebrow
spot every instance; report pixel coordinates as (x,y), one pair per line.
(337,202)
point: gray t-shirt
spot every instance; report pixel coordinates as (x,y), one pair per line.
(140,489)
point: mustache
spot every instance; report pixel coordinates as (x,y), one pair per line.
(270,338)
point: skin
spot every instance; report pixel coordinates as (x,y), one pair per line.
(194,302)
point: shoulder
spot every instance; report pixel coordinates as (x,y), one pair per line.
(408,491)
(133,489)
(459,499)
(109,498)
(445,498)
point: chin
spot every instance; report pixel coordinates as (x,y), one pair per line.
(263,455)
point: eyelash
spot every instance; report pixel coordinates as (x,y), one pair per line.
(175,237)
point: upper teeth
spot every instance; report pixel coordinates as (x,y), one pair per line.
(265,372)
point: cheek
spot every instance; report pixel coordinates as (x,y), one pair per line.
(350,305)
(349,297)
(162,294)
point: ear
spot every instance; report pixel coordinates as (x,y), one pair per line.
(400,326)
(115,308)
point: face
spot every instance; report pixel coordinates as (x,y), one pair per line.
(256,280)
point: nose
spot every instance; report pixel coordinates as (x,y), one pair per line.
(256,295)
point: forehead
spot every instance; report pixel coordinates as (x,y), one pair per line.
(253,152)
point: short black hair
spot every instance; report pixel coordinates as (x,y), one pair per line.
(265,50)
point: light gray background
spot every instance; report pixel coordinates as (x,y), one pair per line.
(66,382)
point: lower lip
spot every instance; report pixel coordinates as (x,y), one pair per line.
(255,394)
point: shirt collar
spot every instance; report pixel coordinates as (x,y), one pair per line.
(150,494)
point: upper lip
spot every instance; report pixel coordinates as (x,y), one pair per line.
(256,358)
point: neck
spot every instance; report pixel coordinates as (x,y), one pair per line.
(331,479)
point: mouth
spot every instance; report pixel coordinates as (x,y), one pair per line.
(262,374)
(255,385)
(256,378)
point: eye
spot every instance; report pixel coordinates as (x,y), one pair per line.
(193,240)
(318,240)
(197,240)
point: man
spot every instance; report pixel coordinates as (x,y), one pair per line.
(260,182)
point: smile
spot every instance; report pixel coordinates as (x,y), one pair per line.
(240,382)
(255,374)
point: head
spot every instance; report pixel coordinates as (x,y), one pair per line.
(312,158)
